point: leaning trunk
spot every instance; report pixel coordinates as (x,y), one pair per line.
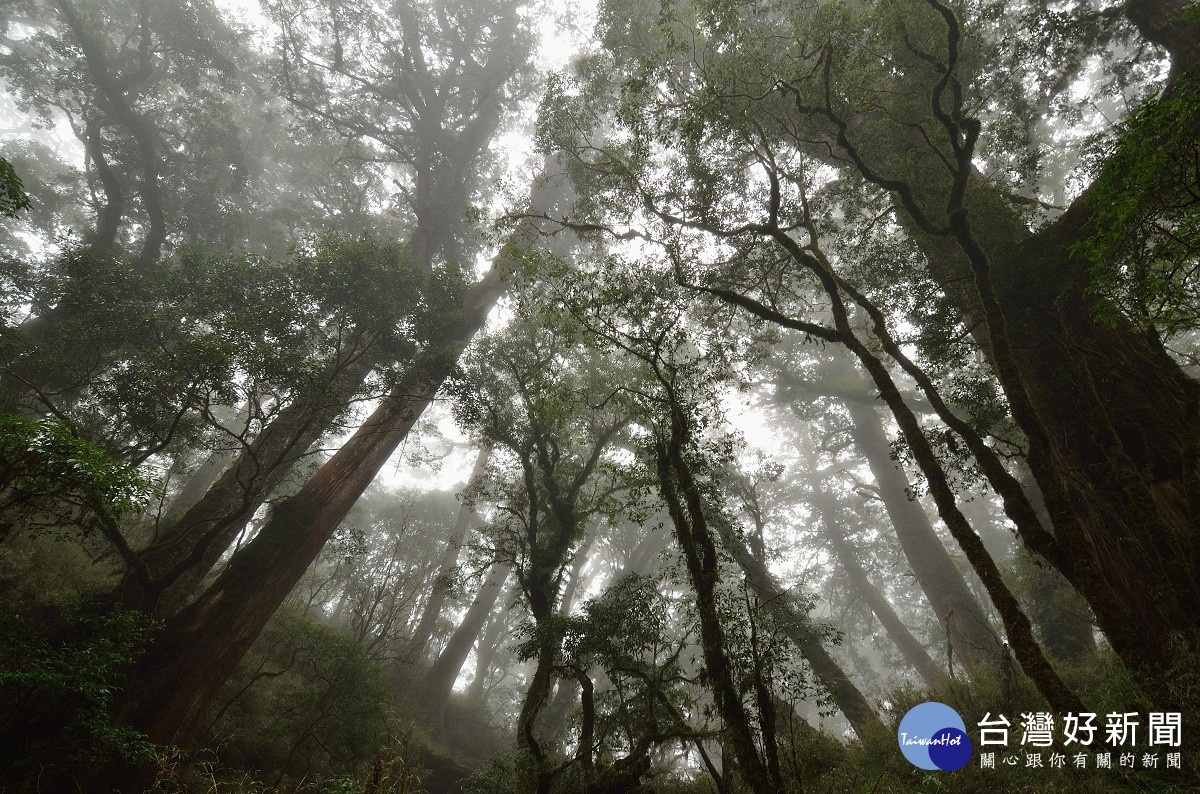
(203,644)
(684,504)
(439,681)
(194,542)
(796,626)
(912,649)
(437,595)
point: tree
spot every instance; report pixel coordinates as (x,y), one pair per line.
(964,621)
(325,295)
(178,678)
(447,130)
(548,401)
(102,87)
(623,638)
(444,671)
(676,394)
(821,208)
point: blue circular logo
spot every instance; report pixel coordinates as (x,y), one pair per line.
(933,736)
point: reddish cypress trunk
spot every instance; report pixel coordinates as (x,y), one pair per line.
(201,646)
(193,543)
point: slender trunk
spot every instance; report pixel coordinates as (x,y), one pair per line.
(960,614)
(437,595)
(439,681)
(108,217)
(587,702)
(764,699)
(116,94)
(202,645)
(485,655)
(683,500)
(535,699)
(576,579)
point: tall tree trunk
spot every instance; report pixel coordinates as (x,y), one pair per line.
(1113,427)
(486,653)
(189,548)
(912,649)
(168,693)
(439,681)
(797,627)
(116,93)
(437,595)
(1112,421)
(536,696)
(684,503)
(552,721)
(958,611)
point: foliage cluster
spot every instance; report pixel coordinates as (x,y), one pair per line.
(51,479)
(1143,241)
(12,192)
(306,705)
(749,187)
(56,695)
